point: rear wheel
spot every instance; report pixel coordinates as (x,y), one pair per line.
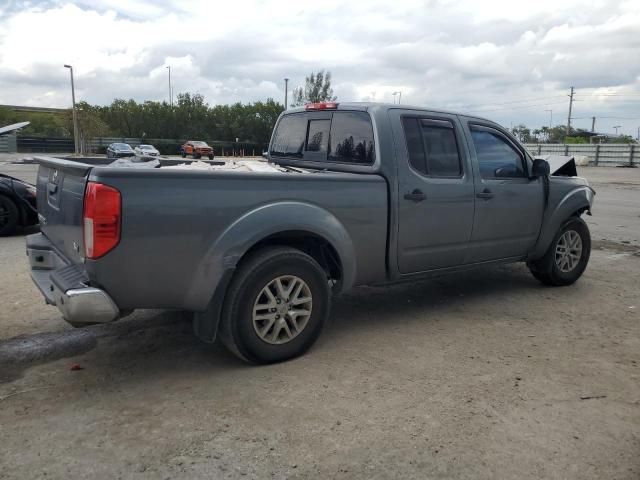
(567,256)
(182,154)
(9,216)
(276,306)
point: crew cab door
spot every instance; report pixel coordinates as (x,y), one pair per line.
(509,205)
(435,191)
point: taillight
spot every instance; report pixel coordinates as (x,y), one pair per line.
(101,219)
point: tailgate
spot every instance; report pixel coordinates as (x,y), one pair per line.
(61,184)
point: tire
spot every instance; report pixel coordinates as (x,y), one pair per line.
(210,157)
(9,216)
(557,268)
(182,154)
(239,331)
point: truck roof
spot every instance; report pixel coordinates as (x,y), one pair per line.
(366,106)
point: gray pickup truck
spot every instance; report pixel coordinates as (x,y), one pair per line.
(354,194)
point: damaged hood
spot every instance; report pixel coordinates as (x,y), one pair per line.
(560,165)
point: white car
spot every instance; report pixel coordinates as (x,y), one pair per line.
(146,151)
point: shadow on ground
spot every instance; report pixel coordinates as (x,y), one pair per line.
(151,340)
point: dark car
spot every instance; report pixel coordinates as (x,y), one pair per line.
(119,150)
(17,204)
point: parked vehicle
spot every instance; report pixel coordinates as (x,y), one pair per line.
(17,204)
(119,150)
(361,194)
(146,151)
(197,149)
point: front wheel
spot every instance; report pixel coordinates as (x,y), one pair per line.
(276,306)
(211,157)
(567,256)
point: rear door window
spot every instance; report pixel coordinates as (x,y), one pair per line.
(432,147)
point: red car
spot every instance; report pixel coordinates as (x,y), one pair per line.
(197,149)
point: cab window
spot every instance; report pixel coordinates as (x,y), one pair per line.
(497,157)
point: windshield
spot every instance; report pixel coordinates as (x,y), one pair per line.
(147,147)
(122,146)
(199,144)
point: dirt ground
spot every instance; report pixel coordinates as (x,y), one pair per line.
(485,375)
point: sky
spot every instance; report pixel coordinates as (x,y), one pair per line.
(510,61)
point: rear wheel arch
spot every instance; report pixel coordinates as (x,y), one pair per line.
(206,323)
(308,228)
(314,245)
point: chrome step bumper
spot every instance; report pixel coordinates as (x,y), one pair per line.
(66,287)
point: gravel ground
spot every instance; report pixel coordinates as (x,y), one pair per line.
(485,374)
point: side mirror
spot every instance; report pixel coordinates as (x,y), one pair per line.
(265,155)
(540,168)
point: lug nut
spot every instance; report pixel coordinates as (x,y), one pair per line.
(277,317)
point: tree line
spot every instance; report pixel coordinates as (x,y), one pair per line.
(558,134)
(190,117)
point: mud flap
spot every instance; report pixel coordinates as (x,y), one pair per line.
(205,323)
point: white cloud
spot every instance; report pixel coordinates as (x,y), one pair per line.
(445,53)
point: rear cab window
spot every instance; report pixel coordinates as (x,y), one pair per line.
(339,136)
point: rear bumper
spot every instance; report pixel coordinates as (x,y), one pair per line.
(66,286)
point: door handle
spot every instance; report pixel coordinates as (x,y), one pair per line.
(486,194)
(52,187)
(415,196)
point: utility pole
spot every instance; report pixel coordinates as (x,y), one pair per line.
(550,118)
(286,92)
(593,124)
(569,117)
(617,127)
(399,93)
(76,140)
(170,92)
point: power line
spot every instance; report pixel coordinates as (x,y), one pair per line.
(517,106)
(530,99)
(616,118)
(608,94)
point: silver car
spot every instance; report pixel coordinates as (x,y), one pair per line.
(146,151)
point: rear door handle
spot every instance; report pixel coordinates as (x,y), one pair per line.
(415,196)
(486,194)
(52,187)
